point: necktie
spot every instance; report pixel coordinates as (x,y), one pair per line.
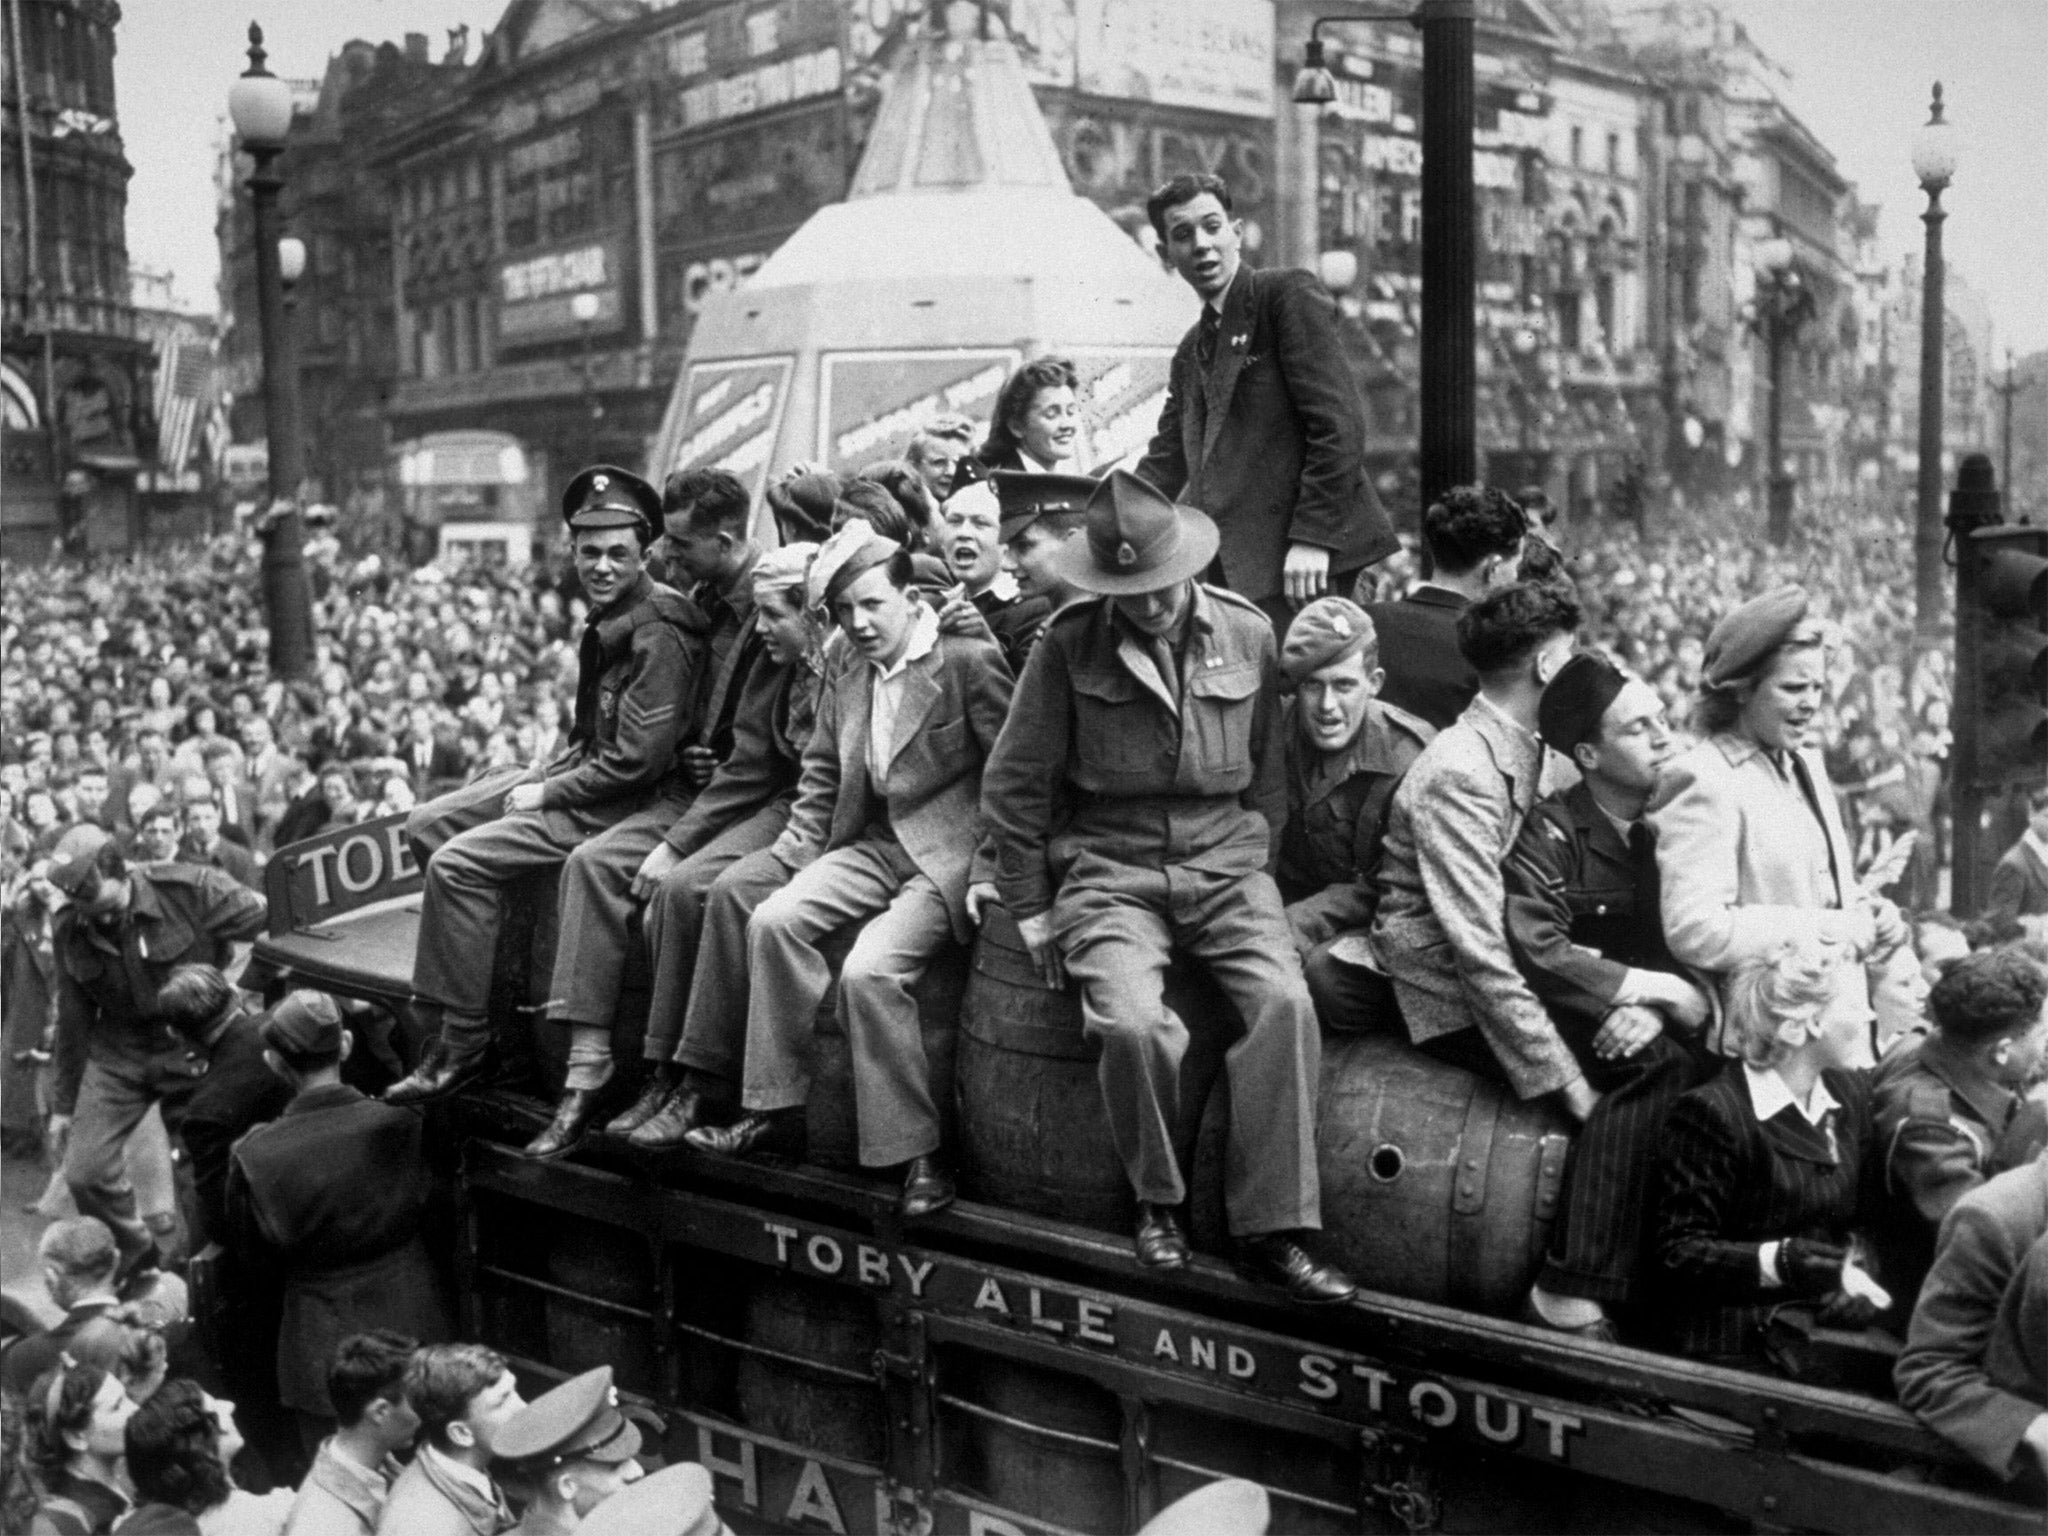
(1205,344)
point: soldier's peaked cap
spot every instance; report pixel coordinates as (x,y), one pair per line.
(605,496)
(1138,540)
(675,1501)
(71,861)
(578,1421)
(1024,497)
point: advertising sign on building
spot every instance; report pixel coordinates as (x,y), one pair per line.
(742,59)
(757,180)
(537,294)
(1212,54)
(1122,390)
(870,404)
(1116,152)
(731,416)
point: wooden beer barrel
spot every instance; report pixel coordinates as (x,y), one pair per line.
(830,1116)
(820,1409)
(597,1270)
(1437,1184)
(1033,1132)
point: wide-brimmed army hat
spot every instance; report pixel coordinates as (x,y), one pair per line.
(1138,540)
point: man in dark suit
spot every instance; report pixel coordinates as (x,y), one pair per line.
(1262,428)
(331,1194)
(1474,537)
(433,756)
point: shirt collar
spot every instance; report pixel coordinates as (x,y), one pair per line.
(924,638)
(468,1476)
(1768,1096)
(1002,587)
(1519,733)
(1033,461)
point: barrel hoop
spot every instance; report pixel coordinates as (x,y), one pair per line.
(1475,1151)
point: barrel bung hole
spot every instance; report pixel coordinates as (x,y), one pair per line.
(1386,1162)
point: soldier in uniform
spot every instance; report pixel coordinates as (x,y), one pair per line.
(116,944)
(740,812)
(884,827)
(641,653)
(331,1194)
(1133,800)
(1584,925)
(676,1501)
(1950,1105)
(705,539)
(569,1450)
(1346,752)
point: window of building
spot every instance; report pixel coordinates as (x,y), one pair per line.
(1603,308)
(1578,145)
(1614,154)
(1689,294)
(1567,304)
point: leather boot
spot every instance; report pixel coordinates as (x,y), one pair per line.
(450,1064)
(688,1106)
(653,1094)
(761,1133)
(565,1131)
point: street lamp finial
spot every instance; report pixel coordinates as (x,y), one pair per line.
(256,53)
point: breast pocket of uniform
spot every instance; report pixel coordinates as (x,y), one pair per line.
(1110,736)
(1222,702)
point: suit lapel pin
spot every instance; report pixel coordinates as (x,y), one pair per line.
(1239,340)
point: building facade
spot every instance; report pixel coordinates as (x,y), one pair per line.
(76,372)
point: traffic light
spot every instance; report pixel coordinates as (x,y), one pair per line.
(2011,656)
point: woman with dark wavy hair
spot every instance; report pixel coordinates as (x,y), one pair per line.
(1037,420)
(71,1442)
(179,1445)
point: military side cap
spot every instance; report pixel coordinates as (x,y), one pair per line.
(306,1023)
(1576,699)
(1025,497)
(71,861)
(854,550)
(605,496)
(1741,641)
(676,1501)
(580,1420)
(1323,634)
(1138,540)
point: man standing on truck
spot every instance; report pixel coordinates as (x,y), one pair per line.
(1134,800)
(118,1049)
(642,652)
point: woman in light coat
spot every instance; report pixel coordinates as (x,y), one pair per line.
(1751,851)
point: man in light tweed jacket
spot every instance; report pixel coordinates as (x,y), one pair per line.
(1440,934)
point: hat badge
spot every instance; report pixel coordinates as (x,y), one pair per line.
(1342,625)
(1125,555)
(611,1397)
(600,482)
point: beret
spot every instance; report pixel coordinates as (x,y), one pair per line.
(605,496)
(71,861)
(1741,641)
(1576,699)
(851,551)
(306,1023)
(802,504)
(784,569)
(1323,633)
(580,1420)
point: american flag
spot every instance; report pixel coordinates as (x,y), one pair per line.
(184,388)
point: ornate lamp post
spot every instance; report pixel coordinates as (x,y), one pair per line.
(1784,303)
(260,105)
(1934,162)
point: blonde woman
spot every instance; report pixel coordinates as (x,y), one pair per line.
(1764,1169)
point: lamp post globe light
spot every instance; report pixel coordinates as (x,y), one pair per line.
(260,106)
(1934,162)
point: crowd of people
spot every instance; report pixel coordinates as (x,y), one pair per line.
(1607,819)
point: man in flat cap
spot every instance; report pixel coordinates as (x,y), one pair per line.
(116,944)
(1134,800)
(1585,926)
(885,824)
(330,1196)
(693,1080)
(1262,425)
(569,1450)
(707,541)
(639,666)
(1346,752)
